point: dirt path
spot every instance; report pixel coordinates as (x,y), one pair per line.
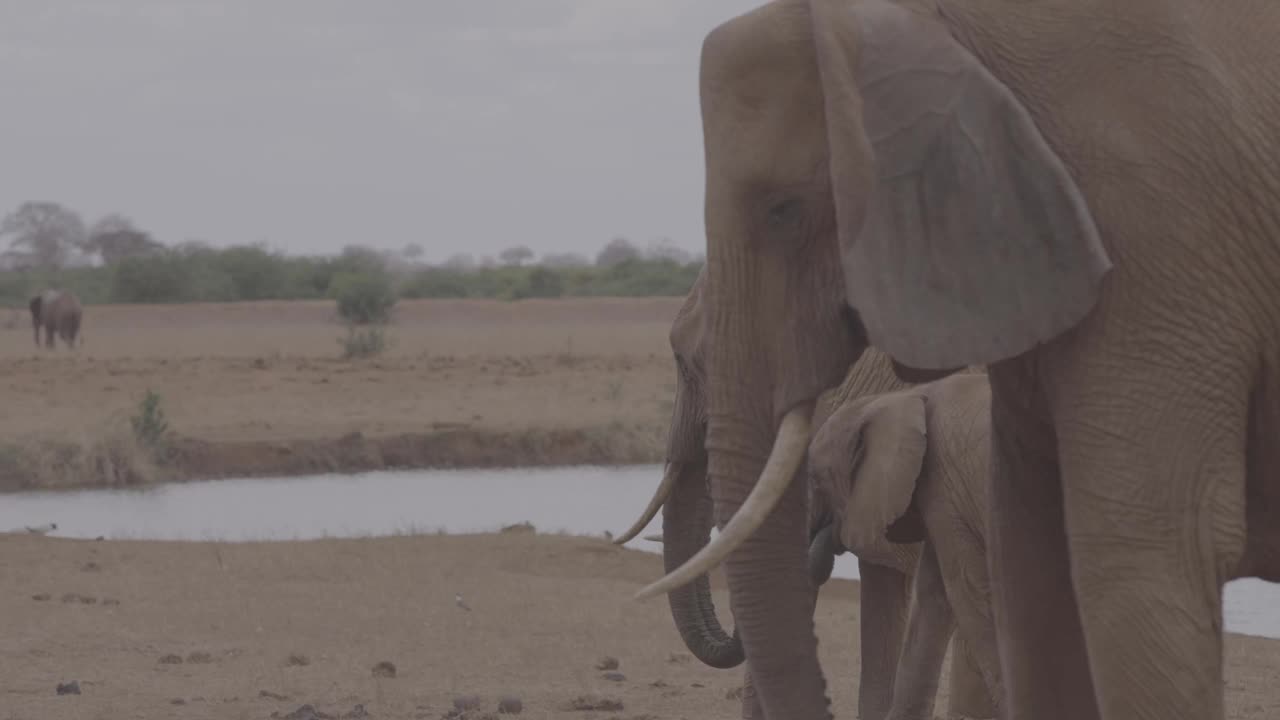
(257,630)
(261,389)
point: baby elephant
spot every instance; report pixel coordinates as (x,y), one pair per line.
(911,466)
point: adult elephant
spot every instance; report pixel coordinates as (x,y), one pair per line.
(1080,195)
(58,312)
(886,568)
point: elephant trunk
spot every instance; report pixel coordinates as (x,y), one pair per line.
(822,556)
(768,573)
(764,543)
(686,528)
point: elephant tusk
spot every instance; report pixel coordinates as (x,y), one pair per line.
(780,469)
(655,504)
(653,538)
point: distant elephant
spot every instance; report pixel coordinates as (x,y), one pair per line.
(57,311)
(910,466)
(1081,196)
(886,569)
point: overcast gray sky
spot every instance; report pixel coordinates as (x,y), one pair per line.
(464,125)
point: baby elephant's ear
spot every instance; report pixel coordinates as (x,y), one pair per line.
(889,446)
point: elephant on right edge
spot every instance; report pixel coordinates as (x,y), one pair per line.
(886,569)
(1083,197)
(57,311)
(910,467)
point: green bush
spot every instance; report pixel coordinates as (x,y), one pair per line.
(361,342)
(149,424)
(540,282)
(357,279)
(254,273)
(363,298)
(436,283)
(151,279)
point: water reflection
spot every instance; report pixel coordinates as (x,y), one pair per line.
(580,500)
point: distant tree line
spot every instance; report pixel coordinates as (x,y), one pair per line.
(114,261)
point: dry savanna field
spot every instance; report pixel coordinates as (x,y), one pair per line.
(261,388)
(367,628)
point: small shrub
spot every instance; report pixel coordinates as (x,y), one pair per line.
(149,424)
(363,298)
(361,342)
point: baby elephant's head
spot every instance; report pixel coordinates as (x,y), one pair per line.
(863,466)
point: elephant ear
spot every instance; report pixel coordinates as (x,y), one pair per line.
(686,437)
(964,239)
(888,445)
(688,330)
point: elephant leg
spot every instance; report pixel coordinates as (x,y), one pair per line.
(885,596)
(929,629)
(751,709)
(1154,487)
(976,686)
(967,693)
(1043,663)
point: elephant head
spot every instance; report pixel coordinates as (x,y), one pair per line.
(865,462)
(868,182)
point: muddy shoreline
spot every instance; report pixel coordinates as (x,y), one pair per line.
(48,466)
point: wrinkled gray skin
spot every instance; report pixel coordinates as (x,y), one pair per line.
(58,312)
(886,568)
(1092,215)
(911,466)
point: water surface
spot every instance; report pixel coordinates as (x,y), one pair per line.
(579,500)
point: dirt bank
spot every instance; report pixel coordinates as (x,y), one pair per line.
(261,389)
(258,630)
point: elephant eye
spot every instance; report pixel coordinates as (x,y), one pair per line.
(784,213)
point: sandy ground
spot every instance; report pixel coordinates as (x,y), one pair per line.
(464,383)
(258,630)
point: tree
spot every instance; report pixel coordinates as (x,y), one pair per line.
(664,249)
(460,261)
(516,255)
(358,258)
(565,260)
(540,283)
(193,246)
(42,234)
(617,251)
(413,252)
(115,238)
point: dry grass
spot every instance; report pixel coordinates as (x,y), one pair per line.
(262,388)
(113,458)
